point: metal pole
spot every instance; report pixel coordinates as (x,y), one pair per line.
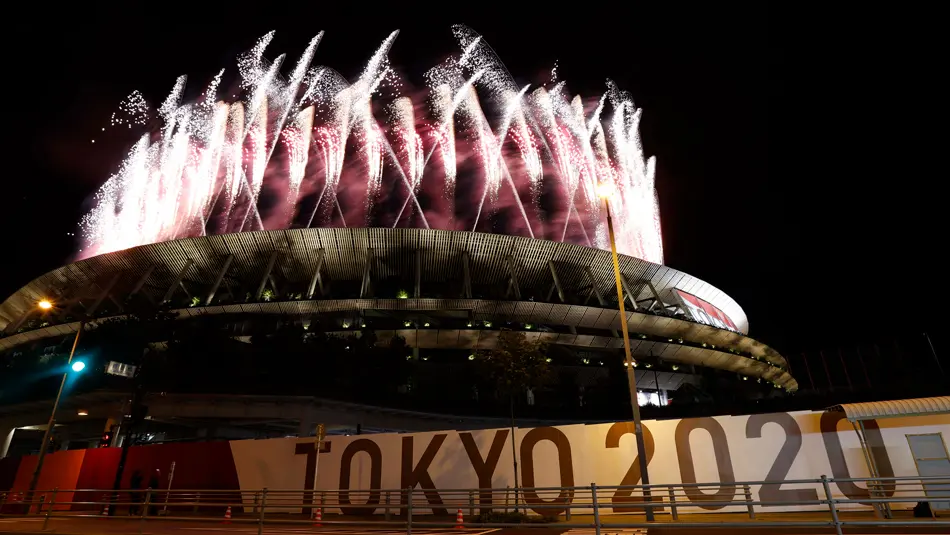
(593,501)
(748,499)
(128,424)
(49,511)
(52,417)
(831,504)
(321,435)
(934,353)
(514,453)
(171,477)
(409,511)
(260,519)
(148,503)
(631,373)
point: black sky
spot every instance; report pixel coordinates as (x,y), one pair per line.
(754,198)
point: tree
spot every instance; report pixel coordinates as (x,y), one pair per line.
(515,365)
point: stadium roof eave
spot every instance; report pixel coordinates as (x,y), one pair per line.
(894,409)
(346,252)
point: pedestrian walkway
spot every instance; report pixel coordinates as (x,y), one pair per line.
(607,531)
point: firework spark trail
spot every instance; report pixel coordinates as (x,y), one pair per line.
(501,88)
(446,115)
(332,141)
(442,79)
(297,140)
(256,130)
(496,167)
(204,170)
(302,125)
(445,134)
(212,163)
(405,121)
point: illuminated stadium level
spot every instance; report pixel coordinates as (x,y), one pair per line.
(437,289)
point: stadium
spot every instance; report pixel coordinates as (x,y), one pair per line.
(286,242)
(447,294)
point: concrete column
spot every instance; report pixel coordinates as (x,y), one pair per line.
(6,437)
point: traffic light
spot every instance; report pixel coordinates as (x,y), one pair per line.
(106,439)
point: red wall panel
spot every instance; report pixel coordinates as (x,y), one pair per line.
(201,466)
(98,472)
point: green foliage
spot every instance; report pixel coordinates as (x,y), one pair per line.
(515,363)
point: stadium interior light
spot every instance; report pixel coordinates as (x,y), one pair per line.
(45,304)
(78,366)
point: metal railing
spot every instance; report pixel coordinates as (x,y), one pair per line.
(887,503)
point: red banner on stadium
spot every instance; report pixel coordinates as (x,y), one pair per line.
(705,312)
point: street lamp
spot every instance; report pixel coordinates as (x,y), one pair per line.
(77,366)
(605,191)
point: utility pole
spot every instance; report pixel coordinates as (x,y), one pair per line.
(137,411)
(605,193)
(44,446)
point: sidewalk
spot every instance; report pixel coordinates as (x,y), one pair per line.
(246,525)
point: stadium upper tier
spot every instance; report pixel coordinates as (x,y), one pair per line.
(435,288)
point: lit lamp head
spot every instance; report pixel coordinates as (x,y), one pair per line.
(605,190)
(78,366)
(45,304)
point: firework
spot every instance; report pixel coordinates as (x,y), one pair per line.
(472,151)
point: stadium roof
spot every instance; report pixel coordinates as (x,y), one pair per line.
(524,280)
(894,409)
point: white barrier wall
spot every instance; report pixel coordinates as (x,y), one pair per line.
(725,449)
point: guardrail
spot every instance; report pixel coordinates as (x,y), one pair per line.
(593,506)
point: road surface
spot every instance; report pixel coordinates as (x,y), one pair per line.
(126,526)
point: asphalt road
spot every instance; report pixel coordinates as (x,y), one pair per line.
(124,526)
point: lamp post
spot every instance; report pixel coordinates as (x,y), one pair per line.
(70,366)
(605,191)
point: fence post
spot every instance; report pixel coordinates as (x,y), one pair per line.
(52,501)
(471,502)
(831,504)
(197,501)
(409,511)
(673,513)
(748,499)
(593,501)
(148,503)
(388,500)
(507,490)
(260,517)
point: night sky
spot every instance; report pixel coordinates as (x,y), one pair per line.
(763,213)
